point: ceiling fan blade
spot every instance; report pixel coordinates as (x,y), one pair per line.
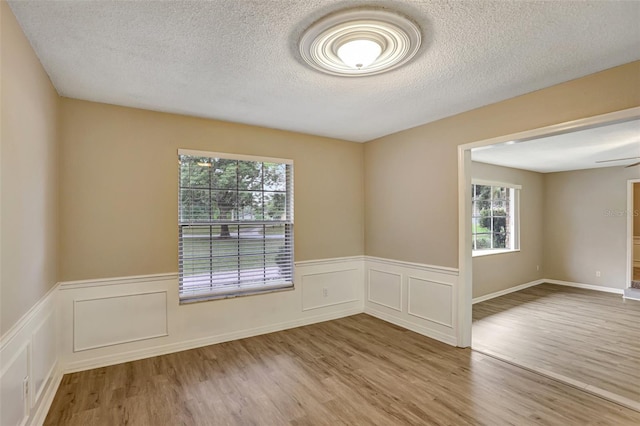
(634,164)
(617,159)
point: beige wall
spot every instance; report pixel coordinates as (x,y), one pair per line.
(501,271)
(636,209)
(119,187)
(586,225)
(411,210)
(29,196)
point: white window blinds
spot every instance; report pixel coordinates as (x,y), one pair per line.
(235,225)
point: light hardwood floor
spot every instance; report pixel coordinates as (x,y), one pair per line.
(356,371)
(589,336)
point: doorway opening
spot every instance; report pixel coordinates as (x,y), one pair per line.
(550,280)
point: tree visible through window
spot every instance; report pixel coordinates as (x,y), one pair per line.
(235,224)
(493,224)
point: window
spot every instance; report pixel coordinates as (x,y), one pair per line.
(494,217)
(235,225)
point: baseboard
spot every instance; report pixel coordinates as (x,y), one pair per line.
(41,412)
(507,291)
(444,338)
(586,286)
(197,343)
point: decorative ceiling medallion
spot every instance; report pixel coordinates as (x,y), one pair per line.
(359,42)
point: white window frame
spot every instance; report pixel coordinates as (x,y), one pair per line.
(514,218)
(238,289)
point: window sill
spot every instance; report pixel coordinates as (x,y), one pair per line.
(221,296)
(481,253)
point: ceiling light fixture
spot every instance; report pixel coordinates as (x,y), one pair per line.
(360,42)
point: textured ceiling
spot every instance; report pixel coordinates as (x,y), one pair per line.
(569,151)
(237,60)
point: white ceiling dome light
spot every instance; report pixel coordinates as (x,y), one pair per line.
(359,42)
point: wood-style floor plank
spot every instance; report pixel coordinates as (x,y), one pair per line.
(352,371)
(586,335)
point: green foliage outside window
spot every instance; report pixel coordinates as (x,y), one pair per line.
(491,217)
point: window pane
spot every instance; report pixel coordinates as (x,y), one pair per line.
(275,205)
(275,177)
(194,205)
(501,193)
(249,175)
(223,205)
(224,174)
(483,206)
(250,205)
(483,241)
(192,174)
(499,208)
(499,224)
(483,192)
(499,240)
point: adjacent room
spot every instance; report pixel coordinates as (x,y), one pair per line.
(553,232)
(262,212)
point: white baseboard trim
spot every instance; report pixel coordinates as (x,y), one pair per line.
(549,281)
(41,412)
(450,340)
(197,343)
(507,291)
(586,286)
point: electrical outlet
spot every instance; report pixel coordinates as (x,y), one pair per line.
(537,267)
(598,274)
(325,292)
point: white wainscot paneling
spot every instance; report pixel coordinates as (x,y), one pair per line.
(44,355)
(29,373)
(327,288)
(106,321)
(415,296)
(385,288)
(15,407)
(430,300)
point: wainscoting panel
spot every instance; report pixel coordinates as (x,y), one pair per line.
(94,323)
(119,319)
(29,357)
(45,354)
(431,300)
(322,289)
(109,321)
(418,297)
(15,407)
(385,288)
